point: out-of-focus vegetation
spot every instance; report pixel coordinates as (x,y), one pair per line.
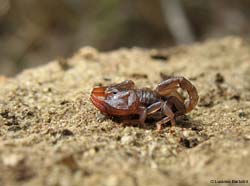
(33,31)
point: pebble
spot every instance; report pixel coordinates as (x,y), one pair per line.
(88,52)
(125,140)
(12,159)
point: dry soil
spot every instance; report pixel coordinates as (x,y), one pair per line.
(51,134)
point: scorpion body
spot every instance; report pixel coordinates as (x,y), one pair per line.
(147,96)
(163,103)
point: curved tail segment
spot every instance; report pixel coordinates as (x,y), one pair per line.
(170,85)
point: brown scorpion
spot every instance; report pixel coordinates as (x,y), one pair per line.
(163,104)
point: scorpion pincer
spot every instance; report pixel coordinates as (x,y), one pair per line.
(163,104)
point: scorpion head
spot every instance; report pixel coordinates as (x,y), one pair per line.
(117,99)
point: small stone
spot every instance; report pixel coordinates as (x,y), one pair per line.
(88,52)
(92,152)
(219,78)
(70,162)
(112,181)
(247,137)
(67,132)
(12,159)
(125,140)
(63,63)
(189,143)
(242,114)
(14,128)
(188,133)
(101,118)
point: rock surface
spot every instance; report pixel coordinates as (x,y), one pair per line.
(50,133)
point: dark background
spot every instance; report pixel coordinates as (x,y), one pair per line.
(33,32)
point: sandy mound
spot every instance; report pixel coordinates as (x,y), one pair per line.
(50,133)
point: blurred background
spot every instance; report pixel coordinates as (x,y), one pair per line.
(33,32)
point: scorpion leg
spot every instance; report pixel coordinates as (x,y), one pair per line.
(154,107)
(144,112)
(169,116)
(171,85)
(154,110)
(142,117)
(179,106)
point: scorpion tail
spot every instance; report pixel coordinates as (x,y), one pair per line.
(192,92)
(166,87)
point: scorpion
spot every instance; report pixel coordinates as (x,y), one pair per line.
(163,104)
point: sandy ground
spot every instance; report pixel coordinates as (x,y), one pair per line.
(51,134)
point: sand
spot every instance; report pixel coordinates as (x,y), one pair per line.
(51,134)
